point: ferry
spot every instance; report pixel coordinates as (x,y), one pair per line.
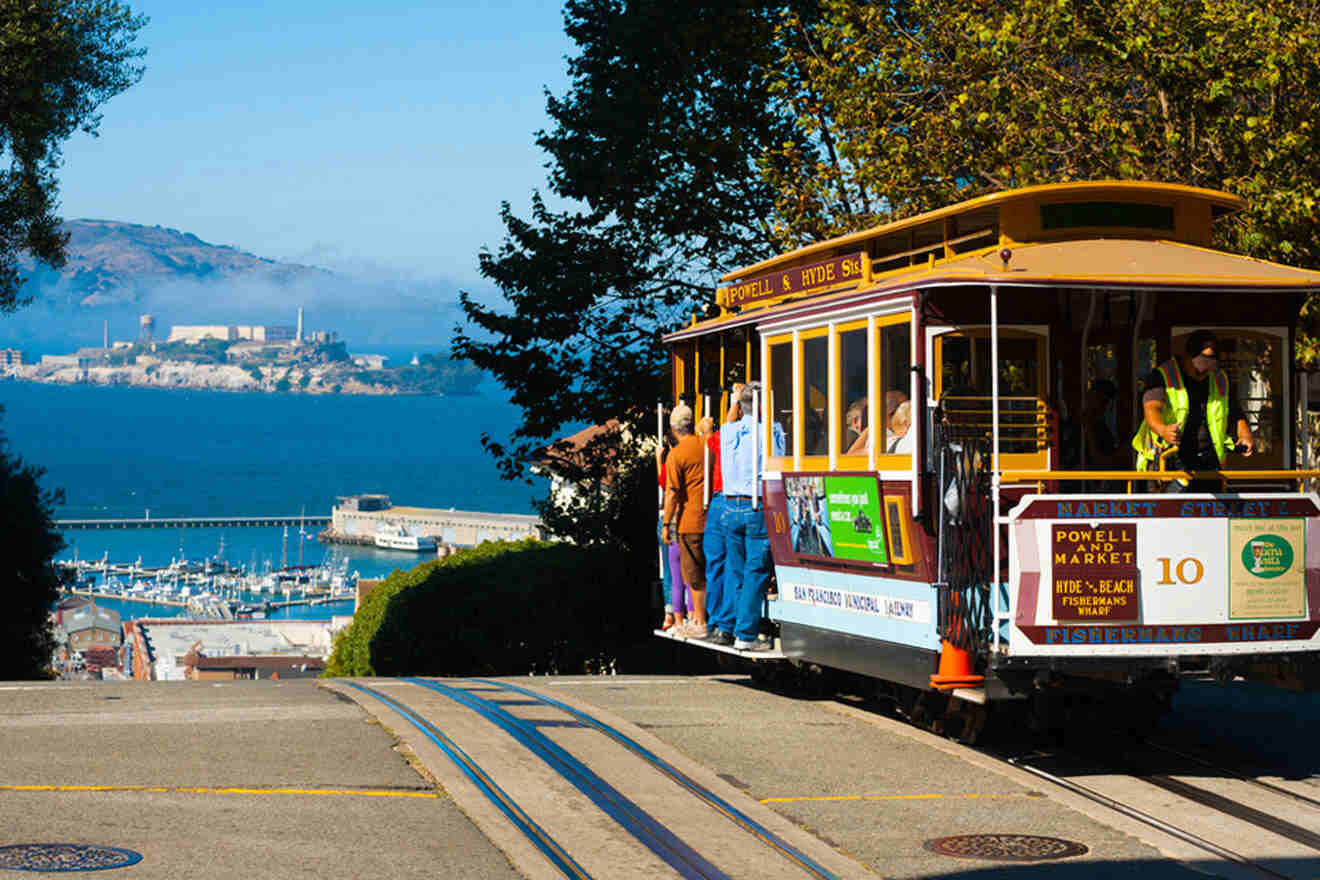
(394,536)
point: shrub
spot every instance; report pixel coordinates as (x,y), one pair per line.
(503,608)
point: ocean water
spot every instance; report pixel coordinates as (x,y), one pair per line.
(120,452)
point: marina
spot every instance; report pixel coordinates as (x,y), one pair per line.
(212,588)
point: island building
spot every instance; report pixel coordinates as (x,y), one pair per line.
(11,357)
(355,518)
(174,649)
(69,360)
(191,334)
(370,361)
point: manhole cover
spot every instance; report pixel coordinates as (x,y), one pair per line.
(1005,847)
(56,857)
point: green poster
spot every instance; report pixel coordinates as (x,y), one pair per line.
(857,523)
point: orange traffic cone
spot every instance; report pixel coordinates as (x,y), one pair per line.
(955,669)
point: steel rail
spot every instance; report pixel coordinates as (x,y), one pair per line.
(1147,819)
(667,846)
(723,807)
(486,785)
(1229,771)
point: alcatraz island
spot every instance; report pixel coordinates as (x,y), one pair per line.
(244,358)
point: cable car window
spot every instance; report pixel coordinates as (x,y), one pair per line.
(781,387)
(1070,215)
(709,381)
(895,380)
(685,379)
(964,389)
(815,395)
(853,401)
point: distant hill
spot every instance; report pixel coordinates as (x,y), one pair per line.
(110,262)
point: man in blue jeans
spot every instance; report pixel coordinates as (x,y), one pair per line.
(719,598)
(747,563)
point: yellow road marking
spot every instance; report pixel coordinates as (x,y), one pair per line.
(156,789)
(896,797)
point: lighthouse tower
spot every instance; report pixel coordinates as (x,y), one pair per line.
(299,338)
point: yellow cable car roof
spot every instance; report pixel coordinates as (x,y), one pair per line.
(1222,204)
(1091,263)
(1124,262)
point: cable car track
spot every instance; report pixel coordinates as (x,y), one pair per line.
(1190,792)
(1237,774)
(1147,819)
(646,829)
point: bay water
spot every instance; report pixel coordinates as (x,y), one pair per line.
(120,452)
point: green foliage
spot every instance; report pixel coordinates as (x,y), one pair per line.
(434,374)
(284,385)
(254,371)
(59,61)
(657,140)
(29,586)
(503,608)
(351,653)
(920,104)
(203,351)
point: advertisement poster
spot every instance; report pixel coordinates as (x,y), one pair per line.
(836,517)
(1095,571)
(1266,568)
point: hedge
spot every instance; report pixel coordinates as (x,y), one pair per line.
(503,608)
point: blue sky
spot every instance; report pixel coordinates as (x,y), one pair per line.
(356,136)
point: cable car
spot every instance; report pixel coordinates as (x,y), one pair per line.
(959,513)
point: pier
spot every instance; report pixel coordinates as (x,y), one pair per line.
(193,522)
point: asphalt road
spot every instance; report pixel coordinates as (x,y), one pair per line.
(289,779)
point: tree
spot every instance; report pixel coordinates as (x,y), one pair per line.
(59,61)
(656,144)
(29,584)
(920,104)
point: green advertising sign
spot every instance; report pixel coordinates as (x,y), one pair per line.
(856,520)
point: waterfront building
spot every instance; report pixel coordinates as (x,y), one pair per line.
(89,626)
(197,650)
(355,519)
(11,357)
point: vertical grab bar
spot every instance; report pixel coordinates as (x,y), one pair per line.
(756,449)
(659,442)
(705,463)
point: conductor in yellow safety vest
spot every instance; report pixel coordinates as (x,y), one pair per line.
(1187,404)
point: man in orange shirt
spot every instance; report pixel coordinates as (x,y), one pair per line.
(684,517)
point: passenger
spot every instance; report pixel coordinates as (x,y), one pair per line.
(747,561)
(685,520)
(1187,404)
(899,438)
(719,597)
(855,419)
(666,582)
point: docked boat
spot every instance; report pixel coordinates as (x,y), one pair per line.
(395,536)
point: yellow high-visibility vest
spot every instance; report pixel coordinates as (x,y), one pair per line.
(1177,402)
